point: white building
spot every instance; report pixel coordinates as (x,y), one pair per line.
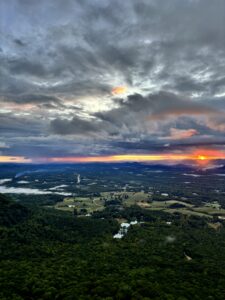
(124,229)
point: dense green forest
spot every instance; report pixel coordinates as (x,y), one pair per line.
(49,254)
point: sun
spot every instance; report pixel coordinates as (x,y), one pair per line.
(202,157)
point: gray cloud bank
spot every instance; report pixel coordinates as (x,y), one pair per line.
(59,61)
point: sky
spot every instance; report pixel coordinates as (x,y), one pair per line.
(105,78)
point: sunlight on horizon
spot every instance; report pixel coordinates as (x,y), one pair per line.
(199,158)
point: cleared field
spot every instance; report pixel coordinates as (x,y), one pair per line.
(128,198)
(91,204)
(79,203)
(210,210)
(164,204)
(134,198)
(189,209)
(188,212)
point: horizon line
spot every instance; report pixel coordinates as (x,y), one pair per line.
(200,156)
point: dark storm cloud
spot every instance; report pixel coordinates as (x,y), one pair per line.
(13,126)
(74,126)
(134,115)
(85,41)
(35,98)
(57,54)
(77,126)
(153,107)
(26,67)
(151,146)
(19,42)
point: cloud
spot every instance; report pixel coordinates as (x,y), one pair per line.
(180,134)
(119,90)
(141,112)
(12,125)
(32,98)
(74,126)
(118,74)
(86,46)
(3,145)
(138,118)
(216,123)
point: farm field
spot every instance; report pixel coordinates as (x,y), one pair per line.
(88,205)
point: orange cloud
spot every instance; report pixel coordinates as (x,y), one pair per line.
(179,134)
(14,159)
(119,90)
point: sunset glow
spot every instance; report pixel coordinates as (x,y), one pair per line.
(14,159)
(200,157)
(119,90)
(195,156)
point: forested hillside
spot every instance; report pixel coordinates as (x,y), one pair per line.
(47,254)
(11,213)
